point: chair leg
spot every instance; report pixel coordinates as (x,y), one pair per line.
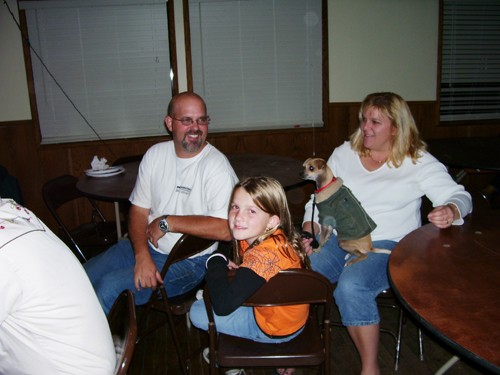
(447,365)
(167,320)
(421,345)
(142,323)
(178,348)
(398,340)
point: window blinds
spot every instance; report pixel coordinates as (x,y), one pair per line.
(110,57)
(470,76)
(258,63)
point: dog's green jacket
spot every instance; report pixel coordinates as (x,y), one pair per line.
(344,212)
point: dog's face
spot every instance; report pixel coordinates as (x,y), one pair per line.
(313,168)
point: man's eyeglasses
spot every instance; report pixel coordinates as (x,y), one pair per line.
(187,121)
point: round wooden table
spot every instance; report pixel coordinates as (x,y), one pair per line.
(285,169)
(118,188)
(449,279)
(114,189)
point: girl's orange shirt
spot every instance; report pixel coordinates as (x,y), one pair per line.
(267,259)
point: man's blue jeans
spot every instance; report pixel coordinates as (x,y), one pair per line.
(113,271)
(358,284)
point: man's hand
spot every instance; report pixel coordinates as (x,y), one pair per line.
(153,232)
(145,273)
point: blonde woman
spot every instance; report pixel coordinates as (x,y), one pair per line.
(387,167)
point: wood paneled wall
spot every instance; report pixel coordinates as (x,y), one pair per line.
(34,164)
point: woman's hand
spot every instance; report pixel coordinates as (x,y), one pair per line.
(232,266)
(443,216)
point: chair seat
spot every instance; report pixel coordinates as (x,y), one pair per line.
(89,238)
(303,350)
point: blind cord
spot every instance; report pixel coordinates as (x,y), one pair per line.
(57,83)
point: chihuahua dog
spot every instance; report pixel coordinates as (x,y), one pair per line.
(339,209)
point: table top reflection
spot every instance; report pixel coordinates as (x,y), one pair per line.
(114,189)
(449,280)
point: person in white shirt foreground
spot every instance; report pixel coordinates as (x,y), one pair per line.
(386,166)
(51,321)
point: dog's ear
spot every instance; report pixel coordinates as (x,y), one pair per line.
(321,163)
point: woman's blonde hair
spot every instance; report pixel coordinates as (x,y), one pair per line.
(269,196)
(406,140)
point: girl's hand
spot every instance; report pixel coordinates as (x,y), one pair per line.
(232,266)
(307,236)
(307,245)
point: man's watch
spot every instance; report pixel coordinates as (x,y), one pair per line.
(163,224)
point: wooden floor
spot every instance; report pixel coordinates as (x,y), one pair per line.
(155,354)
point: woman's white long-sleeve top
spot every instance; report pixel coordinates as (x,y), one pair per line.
(393,196)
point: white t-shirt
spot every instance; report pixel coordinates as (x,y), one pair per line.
(168,185)
(392,196)
(50,319)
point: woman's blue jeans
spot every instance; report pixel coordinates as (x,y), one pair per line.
(113,271)
(241,323)
(357,284)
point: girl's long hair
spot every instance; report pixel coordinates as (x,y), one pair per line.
(268,194)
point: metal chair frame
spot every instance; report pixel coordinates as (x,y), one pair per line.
(185,247)
(97,233)
(123,325)
(386,299)
(310,348)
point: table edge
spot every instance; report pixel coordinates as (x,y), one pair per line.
(441,336)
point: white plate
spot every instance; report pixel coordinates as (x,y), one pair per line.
(105,173)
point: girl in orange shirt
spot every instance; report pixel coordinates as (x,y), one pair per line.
(265,242)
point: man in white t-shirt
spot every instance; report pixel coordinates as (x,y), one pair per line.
(183,187)
(50,319)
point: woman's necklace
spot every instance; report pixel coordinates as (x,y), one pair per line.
(377,161)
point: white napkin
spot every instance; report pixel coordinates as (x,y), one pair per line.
(99,164)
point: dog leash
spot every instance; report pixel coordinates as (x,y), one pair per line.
(314,242)
(306,234)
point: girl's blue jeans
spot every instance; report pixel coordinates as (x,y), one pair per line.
(357,284)
(113,271)
(240,323)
